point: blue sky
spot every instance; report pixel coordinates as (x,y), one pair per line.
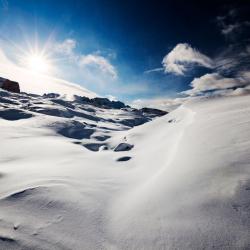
(117,47)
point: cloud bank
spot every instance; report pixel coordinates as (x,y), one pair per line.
(216,82)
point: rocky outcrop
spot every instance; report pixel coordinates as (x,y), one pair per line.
(153,112)
(107,104)
(101,102)
(9,85)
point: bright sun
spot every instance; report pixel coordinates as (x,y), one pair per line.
(37,63)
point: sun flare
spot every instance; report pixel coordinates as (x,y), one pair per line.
(38,63)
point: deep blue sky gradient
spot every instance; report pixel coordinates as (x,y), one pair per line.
(140,33)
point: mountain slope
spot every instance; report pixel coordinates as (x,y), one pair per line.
(193,186)
(178,182)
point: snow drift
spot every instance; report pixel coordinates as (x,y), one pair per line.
(182,183)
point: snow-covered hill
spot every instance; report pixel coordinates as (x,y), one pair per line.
(77,176)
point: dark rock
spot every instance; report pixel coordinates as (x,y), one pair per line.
(73,129)
(100,102)
(10,86)
(153,112)
(134,121)
(123,147)
(101,137)
(106,103)
(94,146)
(63,103)
(14,114)
(51,95)
(81,99)
(171,120)
(124,158)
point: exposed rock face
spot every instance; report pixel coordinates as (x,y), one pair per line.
(153,112)
(101,102)
(9,85)
(123,147)
(107,104)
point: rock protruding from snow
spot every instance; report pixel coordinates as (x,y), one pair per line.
(51,95)
(89,122)
(153,112)
(124,158)
(73,129)
(9,85)
(14,114)
(123,147)
(101,102)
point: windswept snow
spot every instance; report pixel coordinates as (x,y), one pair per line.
(183,182)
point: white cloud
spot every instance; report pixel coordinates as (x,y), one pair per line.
(66,47)
(98,61)
(181,56)
(167,104)
(212,84)
(215,82)
(112,98)
(87,61)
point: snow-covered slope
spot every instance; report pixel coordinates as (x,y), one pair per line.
(178,182)
(45,84)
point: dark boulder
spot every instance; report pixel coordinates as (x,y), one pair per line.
(153,112)
(51,95)
(10,86)
(123,147)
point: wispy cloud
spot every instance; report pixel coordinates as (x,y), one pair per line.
(98,61)
(67,49)
(182,56)
(154,70)
(231,25)
(229,28)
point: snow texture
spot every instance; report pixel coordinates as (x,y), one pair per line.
(184,183)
